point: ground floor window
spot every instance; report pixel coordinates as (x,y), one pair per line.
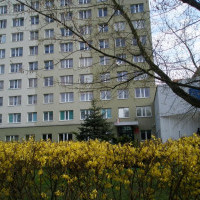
(126,131)
(65,137)
(30,136)
(10,138)
(46,137)
(145,134)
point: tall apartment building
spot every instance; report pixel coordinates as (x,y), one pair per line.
(48,76)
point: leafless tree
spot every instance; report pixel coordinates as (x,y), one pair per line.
(175,50)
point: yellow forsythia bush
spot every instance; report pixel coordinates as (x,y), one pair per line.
(100,170)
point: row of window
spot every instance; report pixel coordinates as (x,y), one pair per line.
(66,115)
(67,97)
(135,8)
(61,137)
(145,134)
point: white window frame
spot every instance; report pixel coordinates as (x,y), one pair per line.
(123,94)
(119,26)
(66,80)
(18,7)
(15,84)
(2,38)
(3,24)
(84,113)
(137,8)
(46,136)
(105,77)
(2,69)
(119,61)
(102,12)
(65,2)
(48,98)
(84,1)
(66,47)
(16,37)
(85,14)
(85,62)
(105,95)
(17,22)
(48,81)
(104,112)
(104,60)
(138,24)
(86,78)
(86,30)
(33,65)
(33,50)
(66,16)
(65,137)
(2,53)
(120,42)
(66,97)
(1,85)
(123,112)
(138,59)
(35,20)
(103,28)
(10,138)
(30,116)
(34,35)
(48,64)
(143,111)
(3,9)
(17,52)
(122,76)
(142,92)
(49,118)
(86,96)
(66,63)
(49,49)
(32,82)
(66,32)
(49,33)
(16,67)
(32,99)
(103,43)
(16,118)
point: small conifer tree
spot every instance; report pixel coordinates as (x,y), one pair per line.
(95,126)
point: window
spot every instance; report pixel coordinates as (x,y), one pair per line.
(120,42)
(34,35)
(122,94)
(17,36)
(15,84)
(66,16)
(18,7)
(138,59)
(84,46)
(84,1)
(106,113)
(33,66)
(17,52)
(2,53)
(49,3)
(102,12)
(0,118)
(143,111)
(103,44)
(32,117)
(18,22)
(48,81)
(49,33)
(85,62)
(119,61)
(49,48)
(10,138)
(2,69)
(104,60)
(86,96)
(49,19)
(65,137)
(119,26)
(1,85)
(138,24)
(48,98)
(117,12)
(66,80)
(142,38)
(86,30)
(85,114)
(66,47)
(140,76)
(47,137)
(33,50)
(101,0)
(1,101)
(30,136)
(103,28)
(48,65)
(48,116)
(3,9)
(123,112)
(66,115)
(66,97)
(105,95)
(35,5)
(3,39)
(14,117)
(66,63)
(66,32)
(32,99)
(3,23)
(105,77)
(32,82)
(85,14)
(65,2)
(142,92)
(122,76)
(16,67)
(86,78)
(145,134)
(137,8)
